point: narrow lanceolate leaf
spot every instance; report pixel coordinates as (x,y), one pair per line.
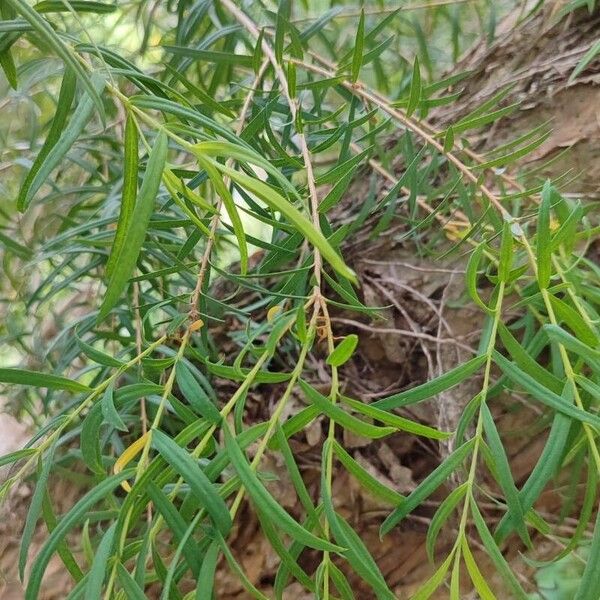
(544,240)
(588,585)
(434,582)
(343,351)
(67,522)
(205,492)
(427,486)
(136,232)
(99,568)
(267,504)
(505,478)
(109,411)
(506,253)
(35,508)
(206,576)
(130,586)
(8,66)
(441,516)
(129,193)
(277,202)
(63,106)
(357,56)
(543,394)
(414,95)
(431,388)
(195,395)
(479,582)
(66,54)
(345,420)
(56,154)
(41,380)
(82,6)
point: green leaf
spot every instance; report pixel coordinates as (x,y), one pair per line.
(427,486)
(132,590)
(506,253)
(136,232)
(195,395)
(99,567)
(395,421)
(35,508)
(544,245)
(341,417)
(128,194)
(449,139)
(505,478)
(266,504)
(63,106)
(41,380)
(194,476)
(586,59)
(8,66)
(414,95)
(588,585)
(17,455)
(276,202)
(431,388)
(472,275)
(496,555)
(206,576)
(359,42)
(484,591)
(370,483)
(67,522)
(571,343)
(543,394)
(434,582)
(85,6)
(574,321)
(525,362)
(343,351)
(109,411)
(51,38)
(441,516)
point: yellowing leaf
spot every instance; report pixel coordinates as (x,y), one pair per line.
(128,455)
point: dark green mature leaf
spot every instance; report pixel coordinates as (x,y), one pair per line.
(42,380)
(194,476)
(68,521)
(129,193)
(136,232)
(267,504)
(427,486)
(431,388)
(35,508)
(99,567)
(48,6)
(357,56)
(543,394)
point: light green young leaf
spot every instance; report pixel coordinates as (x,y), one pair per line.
(343,351)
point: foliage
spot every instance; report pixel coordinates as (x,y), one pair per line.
(159,168)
